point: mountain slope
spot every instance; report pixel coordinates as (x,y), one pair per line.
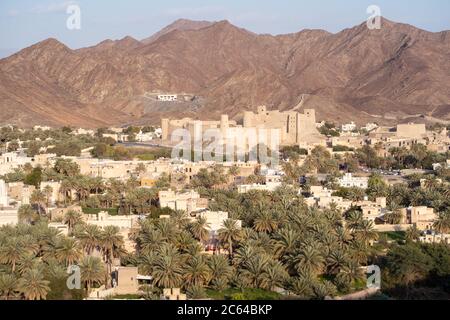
(359,74)
(180,24)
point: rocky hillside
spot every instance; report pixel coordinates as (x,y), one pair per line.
(397,72)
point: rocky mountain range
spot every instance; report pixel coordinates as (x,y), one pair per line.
(397,73)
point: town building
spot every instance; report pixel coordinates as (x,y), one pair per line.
(348,127)
(370,127)
(167,97)
(20,192)
(350,181)
(411,130)
(435,238)
(8,216)
(294,127)
(58,214)
(350,141)
(422,217)
(103,219)
(186,201)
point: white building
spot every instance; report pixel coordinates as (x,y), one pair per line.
(435,238)
(103,219)
(143,137)
(43,128)
(370,126)
(8,216)
(320,192)
(348,127)
(158,132)
(349,181)
(167,97)
(81,131)
(215,219)
(185,201)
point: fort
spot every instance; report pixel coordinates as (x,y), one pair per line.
(411,130)
(294,128)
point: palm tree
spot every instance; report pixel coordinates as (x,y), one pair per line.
(309,259)
(150,240)
(324,289)
(276,274)
(184,241)
(199,229)
(71,218)
(285,242)
(442,224)
(255,270)
(359,252)
(354,218)
(92,271)
(33,286)
(180,218)
(219,268)
(196,272)
(27,214)
(265,222)
(393,217)
(112,246)
(66,189)
(167,227)
(302,287)
(8,285)
(229,234)
(365,232)
(343,235)
(29,261)
(90,237)
(350,272)
(68,251)
(48,191)
(11,252)
(167,270)
(38,198)
(336,260)
(233,171)
(412,234)
(97,184)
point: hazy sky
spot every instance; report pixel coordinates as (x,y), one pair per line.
(25,22)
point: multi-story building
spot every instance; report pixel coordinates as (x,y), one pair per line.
(422,217)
